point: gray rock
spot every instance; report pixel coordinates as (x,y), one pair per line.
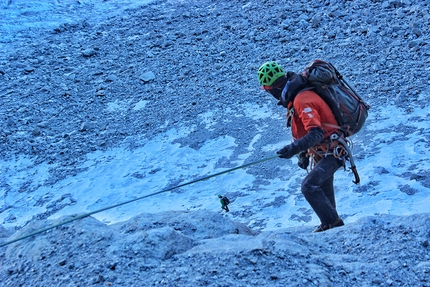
(36,132)
(29,69)
(111,78)
(417,31)
(88,53)
(147,76)
(85,126)
(381,170)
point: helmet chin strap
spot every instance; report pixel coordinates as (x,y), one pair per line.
(283,99)
(284,92)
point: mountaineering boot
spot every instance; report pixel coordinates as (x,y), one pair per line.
(324,227)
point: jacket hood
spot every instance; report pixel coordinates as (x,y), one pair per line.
(295,84)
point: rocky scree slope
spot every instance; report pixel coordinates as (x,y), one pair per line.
(202,248)
(74,89)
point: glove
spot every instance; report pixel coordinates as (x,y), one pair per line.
(288,151)
(303,160)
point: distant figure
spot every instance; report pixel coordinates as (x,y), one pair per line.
(306,113)
(224,202)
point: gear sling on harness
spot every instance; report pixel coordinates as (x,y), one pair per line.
(338,147)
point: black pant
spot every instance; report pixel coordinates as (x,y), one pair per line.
(317,187)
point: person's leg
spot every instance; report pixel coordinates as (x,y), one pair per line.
(317,187)
(328,188)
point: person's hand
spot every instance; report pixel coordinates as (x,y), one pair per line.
(303,160)
(287,151)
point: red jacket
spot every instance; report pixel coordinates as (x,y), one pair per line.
(310,111)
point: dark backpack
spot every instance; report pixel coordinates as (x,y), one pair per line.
(348,107)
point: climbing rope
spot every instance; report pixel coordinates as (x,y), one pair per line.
(77,217)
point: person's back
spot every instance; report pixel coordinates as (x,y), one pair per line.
(311,112)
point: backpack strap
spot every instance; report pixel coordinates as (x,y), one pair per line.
(344,129)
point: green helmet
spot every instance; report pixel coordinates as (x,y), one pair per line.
(269,72)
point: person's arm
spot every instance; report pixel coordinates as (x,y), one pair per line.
(315,136)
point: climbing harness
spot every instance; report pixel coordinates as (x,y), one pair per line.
(338,147)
